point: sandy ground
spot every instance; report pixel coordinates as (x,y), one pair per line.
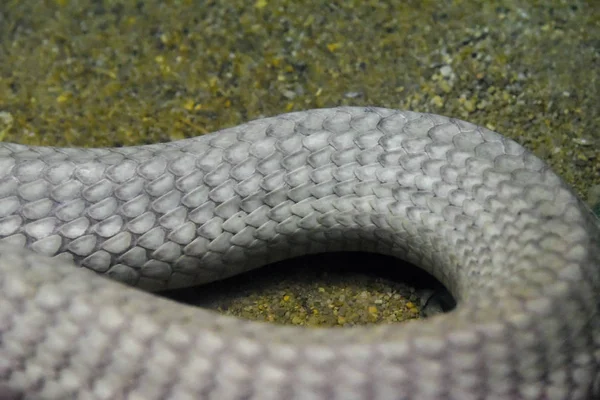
(104,73)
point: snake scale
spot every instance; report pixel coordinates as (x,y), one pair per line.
(513,244)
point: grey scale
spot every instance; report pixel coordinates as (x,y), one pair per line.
(510,240)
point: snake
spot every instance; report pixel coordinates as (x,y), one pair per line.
(510,240)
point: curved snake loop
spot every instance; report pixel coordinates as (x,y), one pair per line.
(514,245)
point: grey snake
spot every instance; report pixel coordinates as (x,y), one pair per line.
(509,239)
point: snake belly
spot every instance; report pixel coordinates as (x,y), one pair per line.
(517,249)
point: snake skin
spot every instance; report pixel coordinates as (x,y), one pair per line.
(513,244)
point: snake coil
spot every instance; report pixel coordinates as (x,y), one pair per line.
(513,244)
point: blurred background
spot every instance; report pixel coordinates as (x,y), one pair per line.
(118,73)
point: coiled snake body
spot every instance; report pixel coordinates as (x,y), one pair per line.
(505,235)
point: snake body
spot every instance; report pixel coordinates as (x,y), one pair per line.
(516,248)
